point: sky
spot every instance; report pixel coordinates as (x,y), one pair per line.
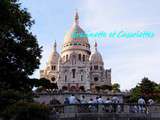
(130,59)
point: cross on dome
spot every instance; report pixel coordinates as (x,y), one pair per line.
(76,18)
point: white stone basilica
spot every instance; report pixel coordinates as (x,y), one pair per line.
(76,68)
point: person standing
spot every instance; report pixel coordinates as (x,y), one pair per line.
(100,100)
(141,104)
(108,101)
(83,100)
(66,101)
(72,99)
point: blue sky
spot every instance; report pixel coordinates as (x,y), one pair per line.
(130,59)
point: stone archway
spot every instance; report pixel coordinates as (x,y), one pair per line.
(81,88)
(96,79)
(53,79)
(73,88)
(64,88)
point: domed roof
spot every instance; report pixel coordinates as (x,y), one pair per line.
(96,57)
(76,38)
(54,57)
(74,35)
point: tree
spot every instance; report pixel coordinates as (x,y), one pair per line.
(146,88)
(42,82)
(157,93)
(19,54)
(51,87)
(106,87)
(10,96)
(26,111)
(135,94)
(45,84)
(19,51)
(116,87)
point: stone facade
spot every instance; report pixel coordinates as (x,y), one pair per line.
(76,68)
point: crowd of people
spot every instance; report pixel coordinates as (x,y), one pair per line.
(110,104)
(74,100)
(93,102)
(142,105)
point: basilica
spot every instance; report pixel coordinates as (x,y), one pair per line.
(76,67)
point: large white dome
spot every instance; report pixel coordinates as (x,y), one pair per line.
(71,41)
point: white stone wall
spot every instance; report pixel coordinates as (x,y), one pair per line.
(84,75)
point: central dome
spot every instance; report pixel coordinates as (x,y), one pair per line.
(74,35)
(76,38)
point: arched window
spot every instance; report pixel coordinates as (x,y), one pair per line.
(53,78)
(96,67)
(73,73)
(83,57)
(73,88)
(95,78)
(82,88)
(64,88)
(65,78)
(66,57)
(81,77)
(53,67)
(74,58)
(79,57)
(91,68)
(101,68)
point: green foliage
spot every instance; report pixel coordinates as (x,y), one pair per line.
(19,56)
(147,86)
(157,89)
(156,94)
(26,111)
(148,89)
(45,84)
(106,87)
(19,51)
(116,87)
(9,97)
(135,94)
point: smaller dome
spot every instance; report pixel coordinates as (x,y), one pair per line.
(96,57)
(54,57)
